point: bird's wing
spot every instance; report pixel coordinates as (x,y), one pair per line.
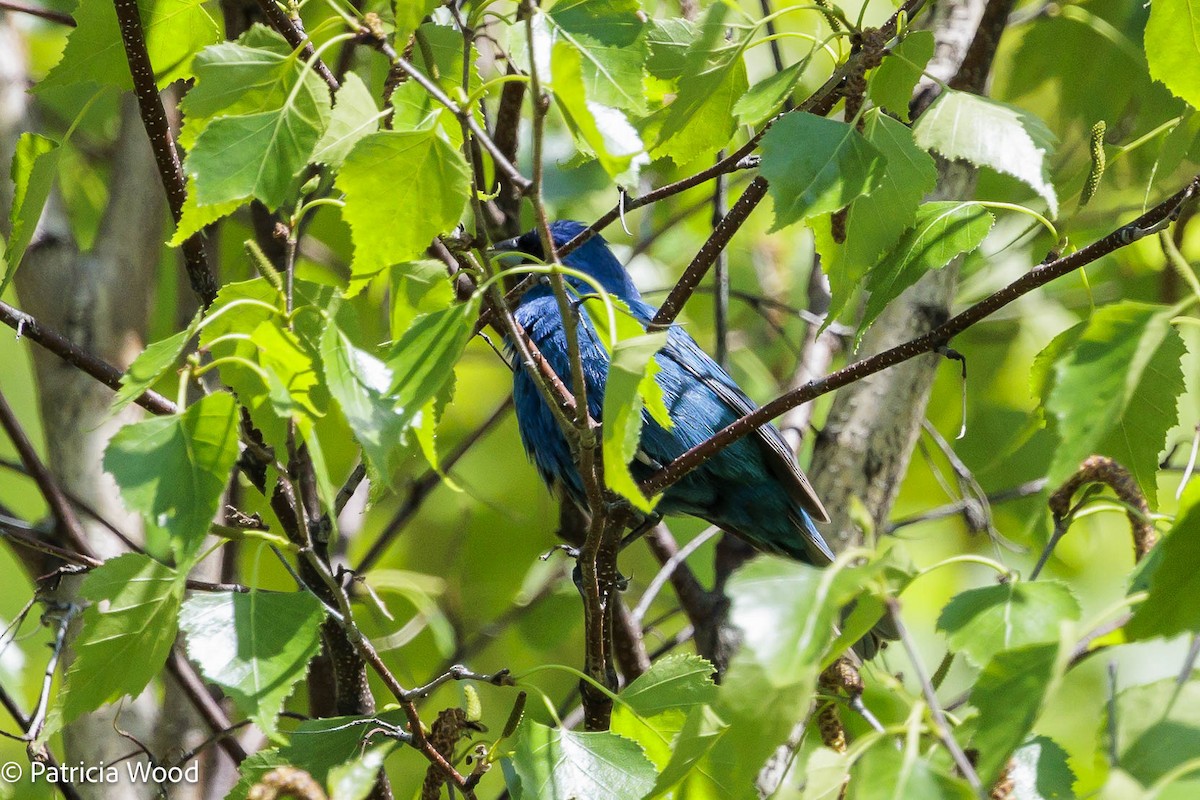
(684,351)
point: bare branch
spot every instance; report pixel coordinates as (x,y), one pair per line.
(166,156)
(1151,222)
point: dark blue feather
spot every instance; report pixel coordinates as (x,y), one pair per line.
(752,489)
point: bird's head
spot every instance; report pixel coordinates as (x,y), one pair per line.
(592,257)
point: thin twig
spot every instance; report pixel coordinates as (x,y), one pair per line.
(69,526)
(423,487)
(290,29)
(1151,222)
(27,326)
(38,11)
(941,728)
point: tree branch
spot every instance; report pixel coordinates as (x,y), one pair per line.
(166,156)
(86,361)
(1151,222)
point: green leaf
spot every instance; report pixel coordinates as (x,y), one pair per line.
(254,74)
(816,166)
(991,134)
(34,168)
(981,623)
(259,155)
(197,217)
(1040,771)
(604,131)
(175,30)
(825,774)
(416,288)
(256,645)
(1175,576)
(427,167)
(361,384)
(668,40)
(875,221)
(1173,47)
(1115,392)
(608,37)
(422,362)
(885,773)
(765,97)
(320,747)
(174,469)
(631,379)
(892,83)
(1009,694)
(355,779)
(702,764)
(127,632)
(700,121)
(1157,728)
(552,762)
(658,702)
(152,363)
(409,14)
(942,231)
(785,611)
(252,121)
(354,116)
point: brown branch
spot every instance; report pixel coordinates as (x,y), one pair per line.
(290,29)
(68,524)
(712,247)
(1152,221)
(820,102)
(166,156)
(27,326)
(502,162)
(37,11)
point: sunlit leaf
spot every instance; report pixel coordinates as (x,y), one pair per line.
(885,773)
(1157,727)
(152,363)
(1115,392)
(426,166)
(989,133)
(1174,576)
(700,120)
(127,632)
(875,221)
(816,166)
(941,232)
(631,377)
(552,762)
(175,30)
(892,83)
(34,168)
(256,645)
(980,623)
(1173,47)
(174,469)
(1009,694)
(354,116)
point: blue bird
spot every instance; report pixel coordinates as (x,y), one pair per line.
(752,489)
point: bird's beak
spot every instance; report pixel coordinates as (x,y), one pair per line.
(507,246)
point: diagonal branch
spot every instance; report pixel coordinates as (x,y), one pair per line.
(86,361)
(1151,222)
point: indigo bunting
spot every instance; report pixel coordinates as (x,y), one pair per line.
(752,489)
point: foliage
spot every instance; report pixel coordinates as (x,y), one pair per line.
(349,212)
